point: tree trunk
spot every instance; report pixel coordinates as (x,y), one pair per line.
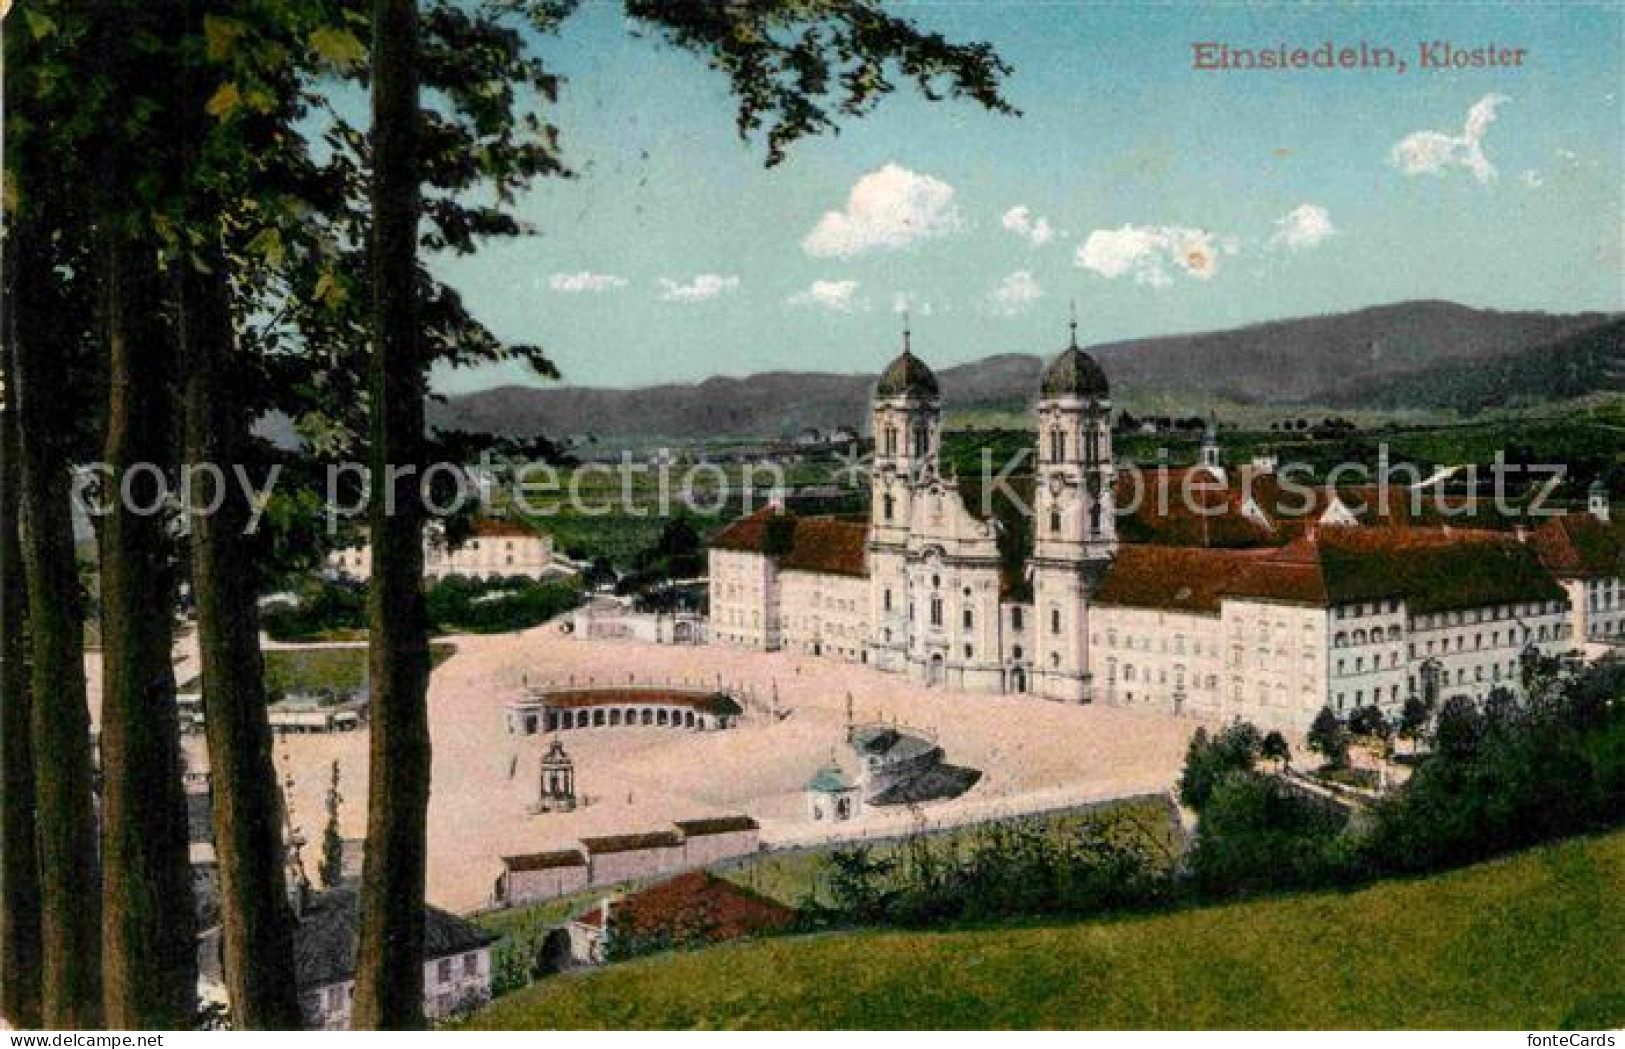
(19,854)
(389,977)
(149,960)
(256,924)
(69,884)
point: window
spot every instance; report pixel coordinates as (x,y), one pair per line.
(969,619)
(443,970)
(1057,445)
(890,506)
(471,964)
(936,611)
(1015,619)
(885,600)
(891,440)
(1055,620)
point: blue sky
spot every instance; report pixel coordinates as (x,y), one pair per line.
(1174,199)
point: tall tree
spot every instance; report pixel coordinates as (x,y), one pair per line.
(389,968)
(44,47)
(786,61)
(19,814)
(149,967)
(219,147)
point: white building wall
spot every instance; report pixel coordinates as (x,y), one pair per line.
(1275,663)
(826,615)
(530,556)
(1152,659)
(1477,650)
(744,600)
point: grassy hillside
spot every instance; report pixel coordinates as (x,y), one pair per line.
(1528,942)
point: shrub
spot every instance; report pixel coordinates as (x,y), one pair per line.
(1329,739)
(1207,760)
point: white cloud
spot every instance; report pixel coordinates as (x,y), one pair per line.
(1147,253)
(585,281)
(886,210)
(837,296)
(1435,152)
(1016,293)
(908,302)
(702,287)
(1304,226)
(1034,229)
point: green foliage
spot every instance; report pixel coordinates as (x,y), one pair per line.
(1369,722)
(795,66)
(778,535)
(331,869)
(1510,777)
(1275,749)
(1414,717)
(456,605)
(1257,835)
(1328,738)
(459,604)
(1459,730)
(1014,868)
(1209,760)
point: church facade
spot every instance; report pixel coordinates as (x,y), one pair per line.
(1208,594)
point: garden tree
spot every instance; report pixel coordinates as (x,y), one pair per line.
(783,60)
(54,382)
(19,855)
(1328,738)
(1274,748)
(1369,722)
(148,953)
(273,313)
(1414,718)
(331,870)
(1459,729)
(1257,835)
(1208,760)
(1502,711)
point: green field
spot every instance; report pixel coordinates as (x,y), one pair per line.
(322,669)
(1528,942)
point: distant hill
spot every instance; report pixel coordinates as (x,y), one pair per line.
(1588,362)
(1347,359)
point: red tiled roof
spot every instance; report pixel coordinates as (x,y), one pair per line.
(485,527)
(715,825)
(1431,569)
(654,839)
(697,904)
(829,545)
(544,861)
(705,702)
(1173,578)
(1581,546)
(815,544)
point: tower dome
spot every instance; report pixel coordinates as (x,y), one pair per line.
(1074,374)
(907,376)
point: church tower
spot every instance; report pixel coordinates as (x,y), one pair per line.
(907,427)
(1074,530)
(1212,456)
